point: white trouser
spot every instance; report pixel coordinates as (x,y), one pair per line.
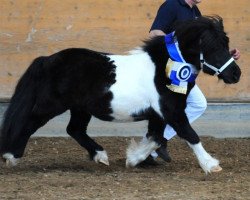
(196,106)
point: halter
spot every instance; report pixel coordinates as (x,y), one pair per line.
(216,70)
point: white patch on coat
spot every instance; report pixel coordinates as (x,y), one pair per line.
(134,90)
(206,161)
(138,152)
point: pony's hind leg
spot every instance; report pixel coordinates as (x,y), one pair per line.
(77,129)
(14,146)
(14,150)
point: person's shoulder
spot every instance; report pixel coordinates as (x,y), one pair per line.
(171,4)
(197,11)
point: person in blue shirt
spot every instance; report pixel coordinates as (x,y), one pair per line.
(170,12)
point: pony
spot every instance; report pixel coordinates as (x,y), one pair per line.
(119,88)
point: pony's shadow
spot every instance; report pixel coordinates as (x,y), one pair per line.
(75,167)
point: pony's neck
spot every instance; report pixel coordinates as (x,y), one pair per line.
(190,51)
(188,35)
(157,50)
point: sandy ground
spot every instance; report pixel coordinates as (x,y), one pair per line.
(58,168)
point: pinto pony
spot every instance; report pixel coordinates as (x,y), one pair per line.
(118,88)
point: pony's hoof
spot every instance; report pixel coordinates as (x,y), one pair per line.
(134,161)
(101,157)
(103,161)
(130,164)
(148,162)
(10,160)
(216,169)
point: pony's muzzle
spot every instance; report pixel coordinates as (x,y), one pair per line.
(231,77)
(237,75)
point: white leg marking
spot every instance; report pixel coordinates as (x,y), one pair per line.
(137,152)
(10,159)
(206,161)
(101,157)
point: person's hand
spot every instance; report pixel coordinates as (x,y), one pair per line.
(235,53)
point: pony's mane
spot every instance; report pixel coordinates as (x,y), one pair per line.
(156,44)
(207,29)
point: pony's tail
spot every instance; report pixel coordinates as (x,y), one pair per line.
(21,105)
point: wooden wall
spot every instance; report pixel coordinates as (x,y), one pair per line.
(30,28)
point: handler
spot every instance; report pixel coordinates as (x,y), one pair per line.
(170,12)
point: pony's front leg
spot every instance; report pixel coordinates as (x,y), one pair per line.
(185,131)
(138,152)
(206,161)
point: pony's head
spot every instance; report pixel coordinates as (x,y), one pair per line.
(204,43)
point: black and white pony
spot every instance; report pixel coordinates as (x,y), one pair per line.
(118,88)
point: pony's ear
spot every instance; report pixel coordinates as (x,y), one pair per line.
(214,21)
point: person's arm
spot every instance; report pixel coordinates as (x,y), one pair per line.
(164,19)
(156,32)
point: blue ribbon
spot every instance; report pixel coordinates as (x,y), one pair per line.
(175,55)
(173,48)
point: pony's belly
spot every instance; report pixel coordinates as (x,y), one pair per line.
(122,119)
(126,110)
